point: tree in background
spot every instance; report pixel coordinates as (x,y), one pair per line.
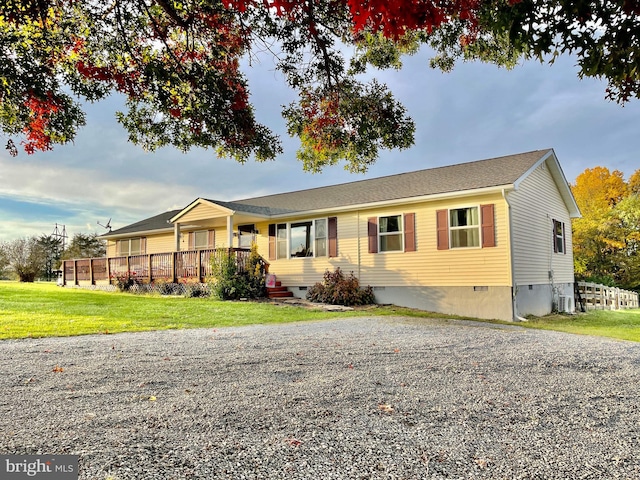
(52,248)
(179,65)
(606,239)
(25,257)
(85,246)
(4,262)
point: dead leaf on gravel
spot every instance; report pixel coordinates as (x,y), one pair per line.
(294,442)
(482,462)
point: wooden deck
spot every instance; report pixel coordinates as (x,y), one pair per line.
(186,266)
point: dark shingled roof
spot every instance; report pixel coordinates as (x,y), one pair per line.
(432,181)
(492,172)
(159,222)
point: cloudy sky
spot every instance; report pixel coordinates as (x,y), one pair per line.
(478,111)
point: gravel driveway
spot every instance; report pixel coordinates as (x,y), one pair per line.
(377,398)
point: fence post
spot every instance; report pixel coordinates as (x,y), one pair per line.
(174,257)
(150,262)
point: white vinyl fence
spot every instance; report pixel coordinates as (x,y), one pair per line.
(594,296)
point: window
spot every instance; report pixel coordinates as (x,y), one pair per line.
(390,233)
(301,239)
(464,227)
(394,233)
(246,235)
(281,240)
(310,238)
(559,240)
(201,239)
(131,246)
(461,227)
(321,238)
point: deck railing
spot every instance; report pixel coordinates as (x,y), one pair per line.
(594,296)
(190,265)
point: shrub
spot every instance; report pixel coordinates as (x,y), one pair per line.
(124,282)
(166,287)
(336,289)
(227,282)
(193,288)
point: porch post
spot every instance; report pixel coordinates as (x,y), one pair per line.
(176,235)
(230,232)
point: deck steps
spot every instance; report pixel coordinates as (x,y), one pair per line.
(278,291)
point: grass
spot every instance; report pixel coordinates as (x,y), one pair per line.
(43,310)
(620,324)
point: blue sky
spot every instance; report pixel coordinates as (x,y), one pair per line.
(478,111)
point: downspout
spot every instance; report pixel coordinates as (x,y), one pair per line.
(514,287)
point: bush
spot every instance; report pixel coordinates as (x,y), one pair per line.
(124,282)
(336,289)
(228,283)
(193,288)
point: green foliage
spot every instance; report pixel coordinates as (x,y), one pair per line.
(606,239)
(229,282)
(124,282)
(192,288)
(179,65)
(85,246)
(338,289)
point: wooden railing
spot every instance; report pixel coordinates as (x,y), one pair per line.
(594,296)
(191,265)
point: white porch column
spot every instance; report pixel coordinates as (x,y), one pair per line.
(230,231)
(176,235)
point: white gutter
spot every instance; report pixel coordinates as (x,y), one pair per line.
(514,287)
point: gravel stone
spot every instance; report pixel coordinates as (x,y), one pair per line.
(365,398)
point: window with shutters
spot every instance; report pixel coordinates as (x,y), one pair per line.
(390,233)
(201,239)
(468,227)
(559,240)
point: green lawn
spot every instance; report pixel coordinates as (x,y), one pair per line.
(43,309)
(620,324)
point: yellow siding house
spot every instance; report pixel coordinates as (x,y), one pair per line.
(488,239)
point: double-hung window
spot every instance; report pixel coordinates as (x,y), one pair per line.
(464,227)
(559,240)
(391,233)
